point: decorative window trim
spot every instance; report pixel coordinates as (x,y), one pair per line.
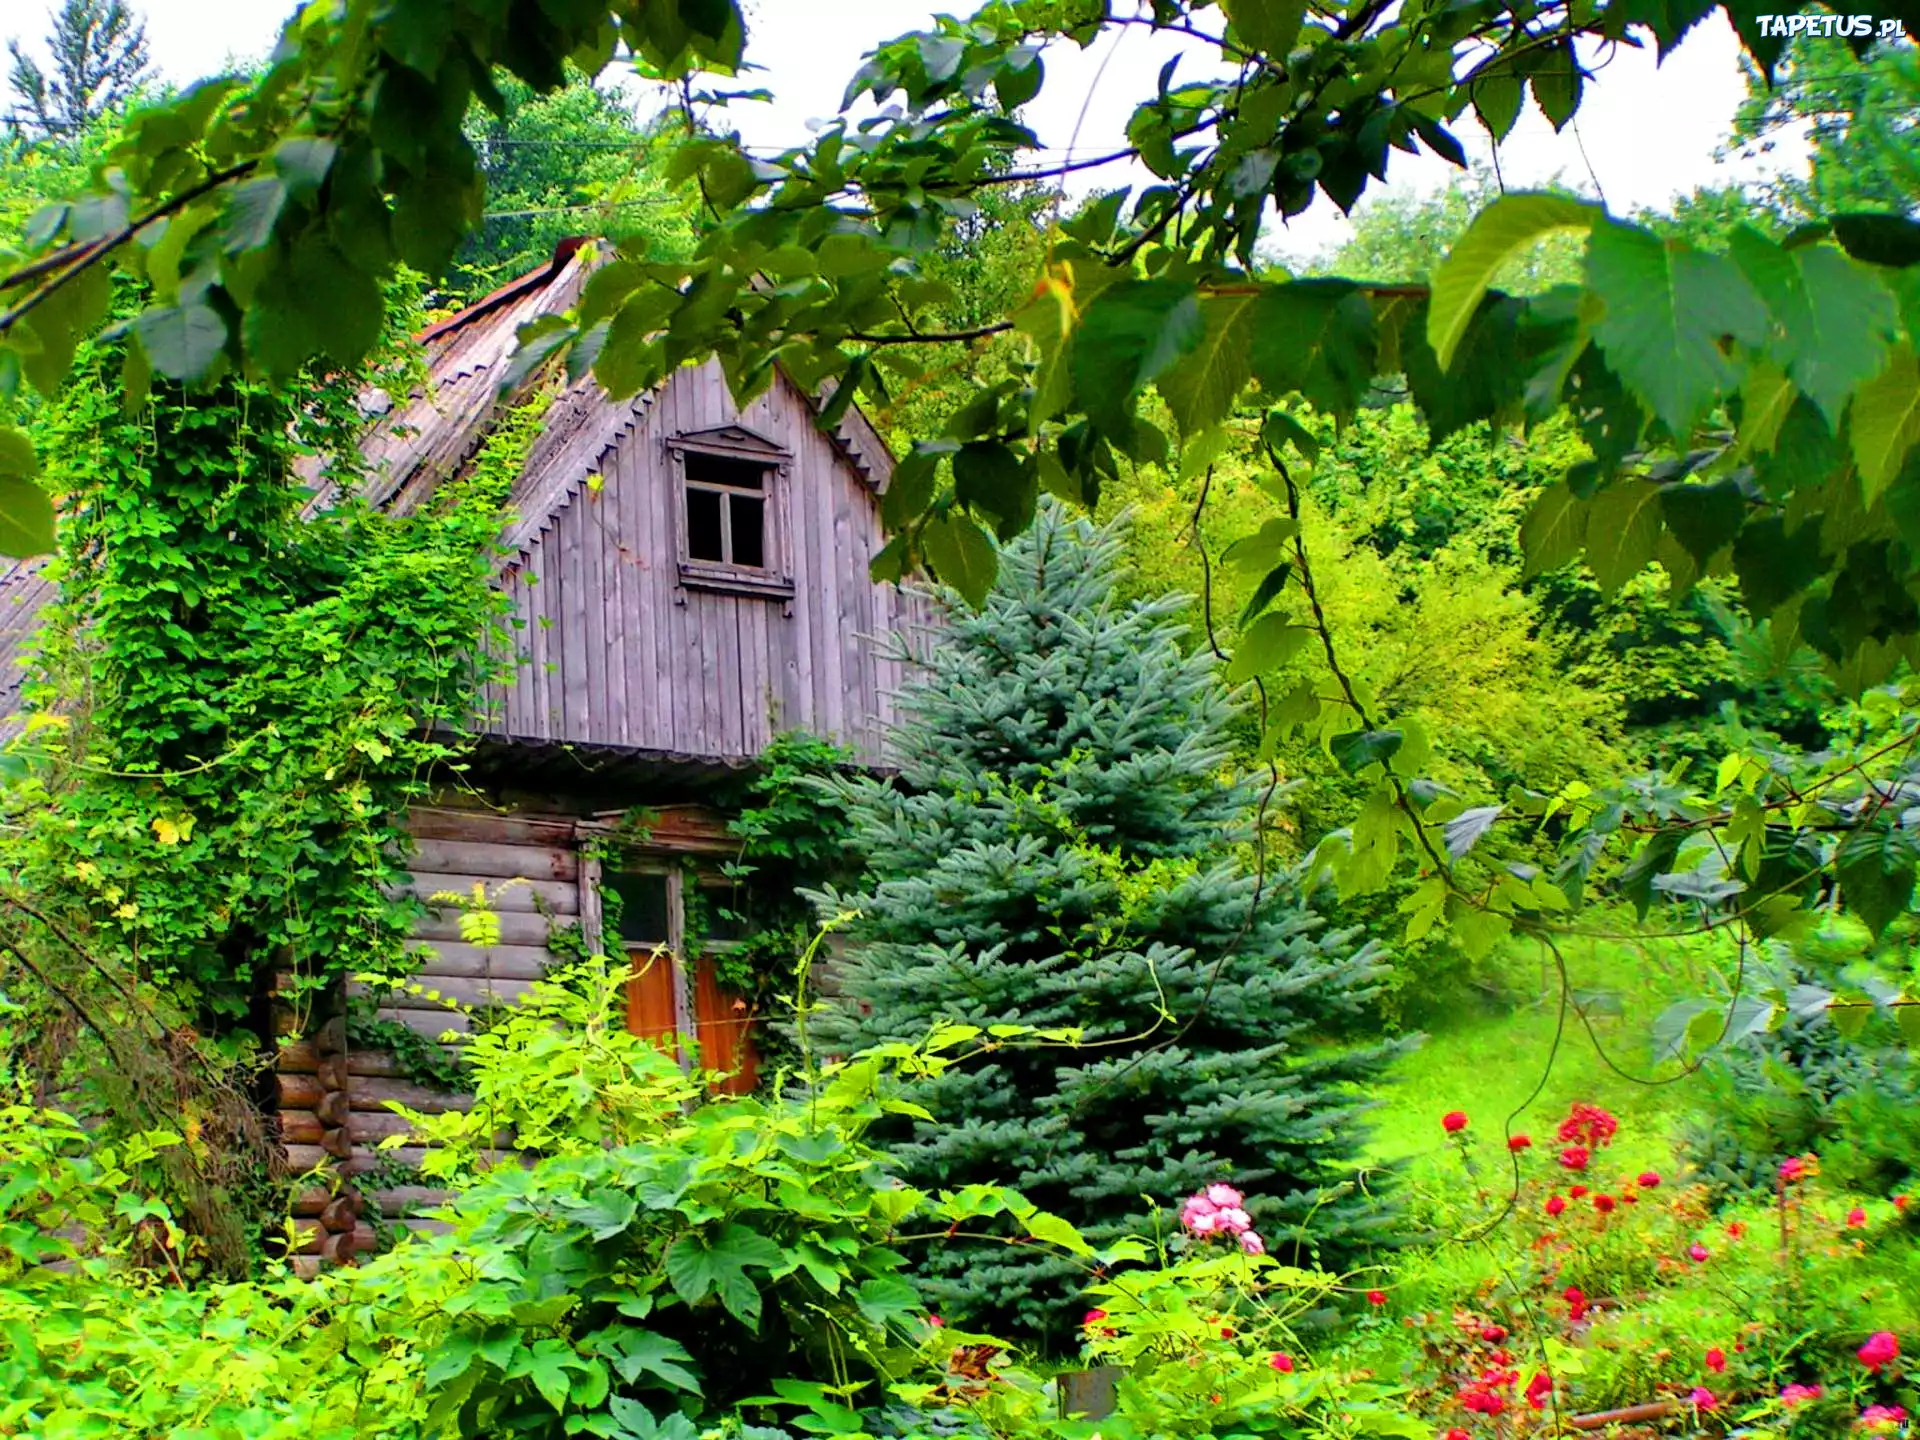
(771,581)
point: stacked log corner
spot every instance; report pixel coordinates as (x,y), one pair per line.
(312,1106)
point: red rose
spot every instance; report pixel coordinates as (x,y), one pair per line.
(1454,1121)
(1717,1360)
(1556,1204)
(1603,1203)
(1649,1180)
(1517,1143)
(1282,1363)
(1493,1334)
(1575,1157)
(1538,1389)
(1856,1217)
(1376,1297)
(1576,1191)
(1093,1317)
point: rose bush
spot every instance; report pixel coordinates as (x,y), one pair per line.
(1566,1288)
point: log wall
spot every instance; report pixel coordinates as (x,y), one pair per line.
(334,1097)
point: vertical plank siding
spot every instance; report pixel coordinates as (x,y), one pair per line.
(617,651)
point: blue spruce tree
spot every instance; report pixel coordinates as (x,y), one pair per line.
(1065,846)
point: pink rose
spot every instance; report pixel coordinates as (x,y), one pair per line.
(1282,1363)
(1224,1196)
(1881,1347)
(1251,1243)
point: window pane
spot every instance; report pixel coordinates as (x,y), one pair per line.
(725,470)
(703,526)
(716,901)
(749,538)
(643,906)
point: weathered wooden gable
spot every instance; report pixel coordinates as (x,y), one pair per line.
(625,637)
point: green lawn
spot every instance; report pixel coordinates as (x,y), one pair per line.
(1488,1062)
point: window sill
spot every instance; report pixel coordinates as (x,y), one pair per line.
(729,580)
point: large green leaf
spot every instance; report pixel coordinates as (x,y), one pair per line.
(1555,530)
(1703,518)
(182,341)
(1886,421)
(961,555)
(1201,389)
(1832,319)
(1496,235)
(1668,308)
(1133,332)
(1876,875)
(716,1263)
(1488,374)
(1269,26)
(26,512)
(1623,527)
(1316,337)
(1270,641)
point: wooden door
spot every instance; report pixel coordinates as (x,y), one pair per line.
(724,1026)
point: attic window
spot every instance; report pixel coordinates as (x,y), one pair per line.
(727,510)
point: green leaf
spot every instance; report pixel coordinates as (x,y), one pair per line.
(637,1352)
(1280,430)
(1489,368)
(1269,26)
(1055,1230)
(1132,332)
(1315,337)
(1496,235)
(1269,588)
(1703,518)
(888,1299)
(1358,749)
(1668,307)
(1268,643)
(182,341)
(1555,530)
(990,480)
(1775,565)
(1891,240)
(1497,100)
(1875,868)
(1557,82)
(1653,859)
(961,555)
(303,162)
(1623,527)
(704,1263)
(1201,389)
(1479,930)
(547,1363)
(1463,832)
(251,211)
(1886,422)
(1832,320)
(26,511)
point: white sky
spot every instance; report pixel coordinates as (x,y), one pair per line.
(1650,132)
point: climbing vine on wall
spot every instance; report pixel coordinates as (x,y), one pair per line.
(248,697)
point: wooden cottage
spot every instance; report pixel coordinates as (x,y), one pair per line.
(691,578)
